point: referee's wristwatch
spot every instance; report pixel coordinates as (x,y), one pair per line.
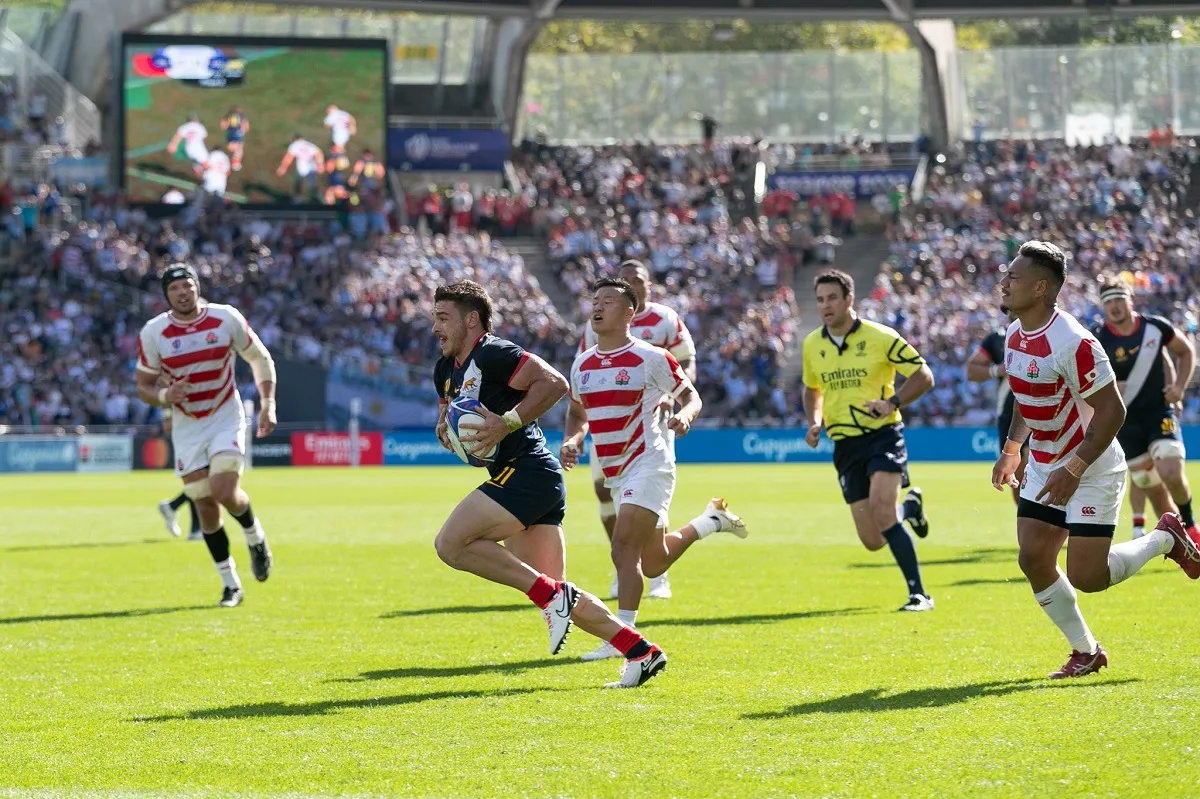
(895,400)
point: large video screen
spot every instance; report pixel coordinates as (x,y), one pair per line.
(262,122)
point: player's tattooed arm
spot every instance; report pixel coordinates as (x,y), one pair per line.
(1018,431)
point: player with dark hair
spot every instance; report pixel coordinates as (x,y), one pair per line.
(620,387)
(1137,345)
(523,501)
(850,367)
(986,364)
(1067,397)
(657,324)
(236,126)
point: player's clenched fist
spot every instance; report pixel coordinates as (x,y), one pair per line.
(813,436)
(1004,473)
(568,455)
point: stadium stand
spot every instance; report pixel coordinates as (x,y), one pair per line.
(1117,209)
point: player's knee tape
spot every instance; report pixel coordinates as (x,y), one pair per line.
(1168,449)
(1145,476)
(226,463)
(200,489)
(608,510)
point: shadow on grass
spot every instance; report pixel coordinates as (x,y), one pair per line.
(757,618)
(325,707)
(95,545)
(987,555)
(878,700)
(455,671)
(992,581)
(107,614)
(454,610)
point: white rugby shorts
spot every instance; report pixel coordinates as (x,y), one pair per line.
(197,440)
(646,485)
(1097,501)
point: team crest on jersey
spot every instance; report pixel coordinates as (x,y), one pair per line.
(648,334)
(211,338)
(622,378)
(862,349)
(1032,372)
(471,382)
(1120,353)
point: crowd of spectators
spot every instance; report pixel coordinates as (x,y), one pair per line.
(675,208)
(1117,209)
(311,290)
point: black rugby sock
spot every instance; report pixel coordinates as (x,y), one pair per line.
(906,556)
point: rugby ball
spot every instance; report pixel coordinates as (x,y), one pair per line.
(463,410)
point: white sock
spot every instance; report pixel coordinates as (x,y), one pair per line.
(1060,603)
(627,617)
(705,525)
(228,574)
(1126,558)
(253,534)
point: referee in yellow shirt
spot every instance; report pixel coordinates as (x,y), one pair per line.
(850,368)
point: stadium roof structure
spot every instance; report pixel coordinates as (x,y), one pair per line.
(897,10)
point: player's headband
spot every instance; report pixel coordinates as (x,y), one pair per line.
(1115,293)
(178,272)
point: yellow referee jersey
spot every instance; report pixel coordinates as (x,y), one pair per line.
(862,369)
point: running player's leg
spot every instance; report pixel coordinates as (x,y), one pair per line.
(227,431)
(664,548)
(543,547)
(191,440)
(1041,533)
(470,541)
(1137,505)
(634,528)
(197,486)
(168,510)
(1168,454)
(881,513)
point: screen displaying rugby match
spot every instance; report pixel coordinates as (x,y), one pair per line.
(258,121)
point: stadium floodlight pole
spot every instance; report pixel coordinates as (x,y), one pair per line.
(355,410)
(252,421)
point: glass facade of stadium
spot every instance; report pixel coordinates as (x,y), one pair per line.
(821,96)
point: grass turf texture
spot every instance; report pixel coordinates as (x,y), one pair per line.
(285,92)
(366,667)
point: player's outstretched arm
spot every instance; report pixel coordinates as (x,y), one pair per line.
(173,144)
(285,164)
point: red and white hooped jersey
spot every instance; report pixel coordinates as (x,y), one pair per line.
(1052,371)
(657,324)
(201,351)
(621,391)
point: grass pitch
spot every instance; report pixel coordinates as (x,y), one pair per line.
(366,667)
